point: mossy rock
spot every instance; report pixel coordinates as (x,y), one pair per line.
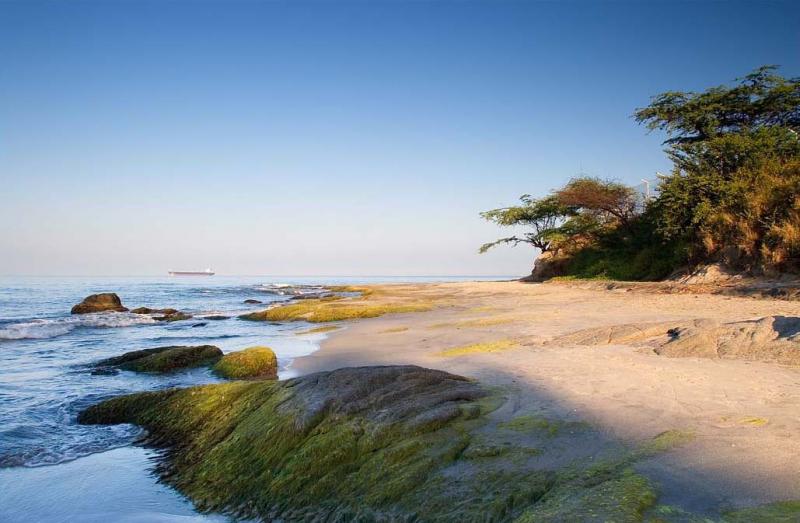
(164,359)
(355,444)
(333,309)
(396,443)
(255,362)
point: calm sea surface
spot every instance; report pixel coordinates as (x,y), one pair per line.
(52,469)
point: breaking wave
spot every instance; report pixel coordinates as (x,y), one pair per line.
(41,328)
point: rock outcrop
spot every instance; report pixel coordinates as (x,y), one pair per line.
(148,310)
(103,302)
(163,359)
(395,443)
(770,339)
(254,362)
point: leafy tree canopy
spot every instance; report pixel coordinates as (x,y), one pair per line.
(543,216)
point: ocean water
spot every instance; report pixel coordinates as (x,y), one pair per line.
(47,461)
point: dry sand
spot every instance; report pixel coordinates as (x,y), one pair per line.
(745,415)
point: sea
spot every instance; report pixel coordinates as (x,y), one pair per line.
(54,470)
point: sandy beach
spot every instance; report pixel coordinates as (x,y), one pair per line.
(743,415)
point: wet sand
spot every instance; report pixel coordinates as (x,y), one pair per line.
(744,415)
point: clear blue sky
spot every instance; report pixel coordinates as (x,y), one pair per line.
(332,138)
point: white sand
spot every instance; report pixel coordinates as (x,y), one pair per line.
(746,415)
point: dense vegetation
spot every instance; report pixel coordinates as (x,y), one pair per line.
(733,195)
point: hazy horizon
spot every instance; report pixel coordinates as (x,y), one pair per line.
(337,139)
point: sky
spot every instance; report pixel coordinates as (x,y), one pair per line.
(333,138)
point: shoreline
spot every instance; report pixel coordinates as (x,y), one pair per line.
(742,414)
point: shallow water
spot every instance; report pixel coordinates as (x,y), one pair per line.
(45,381)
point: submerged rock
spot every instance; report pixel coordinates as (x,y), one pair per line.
(104,302)
(148,310)
(252,301)
(174,316)
(255,362)
(163,359)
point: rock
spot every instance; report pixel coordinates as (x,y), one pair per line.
(201,324)
(546,266)
(163,359)
(254,362)
(147,310)
(713,273)
(771,339)
(387,444)
(354,444)
(104,302)
(105,371)
(252,301)
(174,316)
(216,317)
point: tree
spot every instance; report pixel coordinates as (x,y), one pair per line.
(543,216)
(607,201)
(732,194)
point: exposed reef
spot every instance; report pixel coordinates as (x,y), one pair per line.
(163,359)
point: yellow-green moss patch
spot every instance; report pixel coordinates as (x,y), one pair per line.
(255,362)
(780,512)
(475,348)
(753,421)
(319,330)
(320,311)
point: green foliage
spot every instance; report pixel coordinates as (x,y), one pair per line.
(733,194)
(606,201)
(542,215)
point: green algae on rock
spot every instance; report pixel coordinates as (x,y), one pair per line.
(396,443)
(254,362)
(164,359)
(352,444)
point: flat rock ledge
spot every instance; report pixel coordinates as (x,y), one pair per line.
(774,339)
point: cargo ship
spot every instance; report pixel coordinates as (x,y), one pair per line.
(207,272)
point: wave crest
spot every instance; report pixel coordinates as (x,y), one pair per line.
(44,328)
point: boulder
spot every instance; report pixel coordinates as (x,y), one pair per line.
(163,359)
(103,302)
(255,362)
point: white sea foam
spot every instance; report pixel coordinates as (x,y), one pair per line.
(41,329)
